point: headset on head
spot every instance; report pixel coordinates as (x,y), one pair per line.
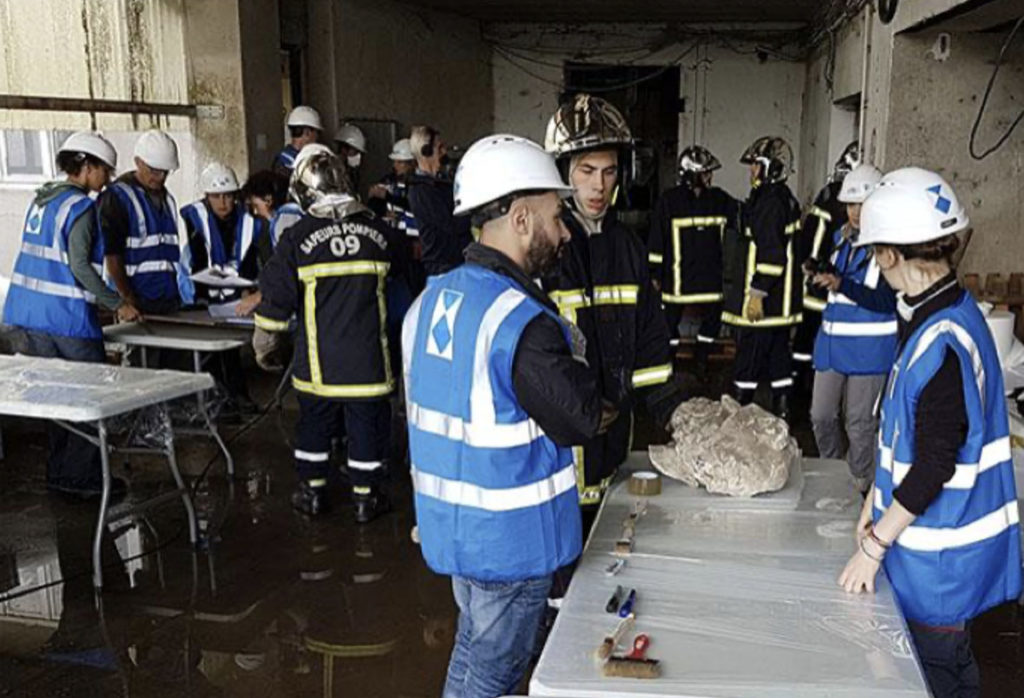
(427,150)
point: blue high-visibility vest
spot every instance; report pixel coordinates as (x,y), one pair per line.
(495,497)
(286,158)
(962,555)
(853,340)
(44,295)
(284,217)
(199,216)
(151,255)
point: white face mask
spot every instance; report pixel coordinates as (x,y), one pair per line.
(354,160)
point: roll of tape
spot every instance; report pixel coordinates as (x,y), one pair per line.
(645,483)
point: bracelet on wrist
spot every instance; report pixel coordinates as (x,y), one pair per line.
(874,536)
(864,550)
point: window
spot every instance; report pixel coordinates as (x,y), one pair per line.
(27,156)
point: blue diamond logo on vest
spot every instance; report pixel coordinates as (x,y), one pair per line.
(941,203)
(441,338)
(35,220)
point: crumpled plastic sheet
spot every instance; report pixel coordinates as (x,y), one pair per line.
(726,448)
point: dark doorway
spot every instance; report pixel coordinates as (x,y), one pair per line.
(648,97)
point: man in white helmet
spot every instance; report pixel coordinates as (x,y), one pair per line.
(943,515)
(856,343)
(329,270)
(602,284)
(53,300)
(139,218)
(304,127)
(495,399)
(350,144)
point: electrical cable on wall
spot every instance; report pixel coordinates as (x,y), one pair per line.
(984,102)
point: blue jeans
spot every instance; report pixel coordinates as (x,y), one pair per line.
(495,636)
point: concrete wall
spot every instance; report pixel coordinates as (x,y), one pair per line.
(378,59)
(732,98)
(932,107)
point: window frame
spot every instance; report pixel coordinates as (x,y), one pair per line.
(48,152)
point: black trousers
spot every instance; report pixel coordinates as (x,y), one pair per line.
(803,339)
(73,460)
(710,315)
(368,424)
(947,659)
(763,355)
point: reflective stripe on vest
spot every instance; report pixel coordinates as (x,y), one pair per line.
(486,477)
(974,521)
(285,217)
(151,249)
(201,218)
(44,295)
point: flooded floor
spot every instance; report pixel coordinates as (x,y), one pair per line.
(270,605)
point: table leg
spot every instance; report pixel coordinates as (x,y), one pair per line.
(172,461)
(210,426)
(101,523)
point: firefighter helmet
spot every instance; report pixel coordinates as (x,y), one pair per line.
(586,123)
(774,155)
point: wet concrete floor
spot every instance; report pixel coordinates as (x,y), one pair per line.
(271,605)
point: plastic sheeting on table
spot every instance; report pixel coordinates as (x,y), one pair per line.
(84,392)
(171,335)
(737,603)
(788,498)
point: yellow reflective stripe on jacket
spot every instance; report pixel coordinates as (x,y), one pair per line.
(770,269)
(571,300)
(589,494)
(814,303)
(792,228)
(819,237)
(691,298)
(820,213)
(699,221)
(740,321)
(653,375)
(365,390)
(313,271)
(315,385)
(655,258)
(270,325)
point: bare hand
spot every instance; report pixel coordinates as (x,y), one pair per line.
(863,525)
(248,304)
(829,281)
(378,191)
(859,574)
(609,413)
(127,312)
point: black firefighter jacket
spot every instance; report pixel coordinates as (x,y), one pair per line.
(442,235)
(602,285)
(331,275)
(823,218)
(685,243)
(766,259)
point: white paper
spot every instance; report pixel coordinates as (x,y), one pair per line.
(222,278)
(225,312)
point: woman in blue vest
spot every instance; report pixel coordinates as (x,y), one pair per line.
(856,340)
(56,289)
(942,517)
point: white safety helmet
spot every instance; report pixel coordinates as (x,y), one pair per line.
(158,150)
(402,150)
(305,116)
(857,185)
(218,178)
(500,165)
(910,206)
(91,143)
(352,135)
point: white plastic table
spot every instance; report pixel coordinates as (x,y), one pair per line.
(737,602)
(75,393)
(191,331)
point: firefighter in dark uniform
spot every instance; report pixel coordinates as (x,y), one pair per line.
(329,270)
(764,302)
(685,248)
(603,286)
(814,245)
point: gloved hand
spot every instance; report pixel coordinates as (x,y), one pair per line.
(266,346)
(754,310)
